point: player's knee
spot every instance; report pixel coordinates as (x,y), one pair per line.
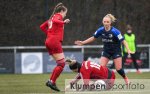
(61,62)
(119,69)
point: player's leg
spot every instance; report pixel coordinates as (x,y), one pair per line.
(119,69)
(133,56)
(59,58)
(124,59)
(104,61)
(55,50)
(104,58)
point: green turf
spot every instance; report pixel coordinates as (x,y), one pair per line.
(35,84)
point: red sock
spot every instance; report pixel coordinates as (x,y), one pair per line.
(57,70)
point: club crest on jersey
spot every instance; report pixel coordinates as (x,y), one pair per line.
(110,35)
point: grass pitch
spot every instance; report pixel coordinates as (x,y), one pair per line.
(35,83)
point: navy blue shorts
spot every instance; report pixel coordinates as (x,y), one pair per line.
(111,54)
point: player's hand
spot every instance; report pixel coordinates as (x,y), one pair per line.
(67,88)
(78,42)
(130,52)
(66,21)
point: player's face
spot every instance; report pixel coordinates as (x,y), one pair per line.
(106,22)
(129,31)
(64,13)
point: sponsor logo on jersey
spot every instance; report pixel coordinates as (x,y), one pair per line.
(107,40)
(103,34)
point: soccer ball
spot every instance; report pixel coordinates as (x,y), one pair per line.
(100,85)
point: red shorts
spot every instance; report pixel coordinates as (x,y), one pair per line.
(53,46)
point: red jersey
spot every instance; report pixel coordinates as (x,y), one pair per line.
(54,27)
(90,70)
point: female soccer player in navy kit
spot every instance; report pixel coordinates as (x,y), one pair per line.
(112,39)
(54,29)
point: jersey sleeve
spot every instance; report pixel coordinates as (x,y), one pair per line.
(118,35)
(57,19)
(76,79)
(98,32)
(44,27)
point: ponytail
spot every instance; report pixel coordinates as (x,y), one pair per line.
(59,4)
(73,64)
(70,61)
(58,8)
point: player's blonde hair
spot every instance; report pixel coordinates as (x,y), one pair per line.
(112,17)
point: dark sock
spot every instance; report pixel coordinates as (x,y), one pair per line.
(122,73)
(136,65)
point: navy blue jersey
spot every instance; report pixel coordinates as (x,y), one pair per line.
(111,39)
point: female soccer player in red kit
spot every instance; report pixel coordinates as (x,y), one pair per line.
(54,29)
(88,70)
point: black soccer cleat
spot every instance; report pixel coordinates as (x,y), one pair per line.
(52,86)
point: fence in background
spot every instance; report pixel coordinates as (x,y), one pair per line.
(35,59)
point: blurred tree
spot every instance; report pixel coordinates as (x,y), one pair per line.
(20,19)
